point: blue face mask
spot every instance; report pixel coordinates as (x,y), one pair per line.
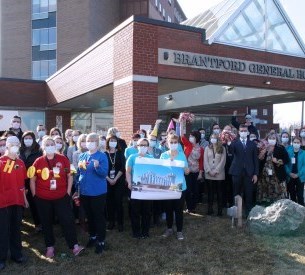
(152,143)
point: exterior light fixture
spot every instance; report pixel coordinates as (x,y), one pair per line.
(169,97)
(267,82)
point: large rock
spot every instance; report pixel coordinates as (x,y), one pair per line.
(280,218)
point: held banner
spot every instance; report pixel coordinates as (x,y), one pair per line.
(157,179)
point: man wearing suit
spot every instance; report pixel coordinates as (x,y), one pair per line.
(244,167)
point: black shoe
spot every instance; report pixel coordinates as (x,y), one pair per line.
(2,265)
(99,248)
(110,226)
(20,260)
(91,243)
(120,228)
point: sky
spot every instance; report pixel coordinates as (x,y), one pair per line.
(295,10)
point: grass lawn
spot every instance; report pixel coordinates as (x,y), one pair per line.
(211,246)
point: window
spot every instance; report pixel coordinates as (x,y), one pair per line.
(42,69)
(253,112)
(35,6)
(52,36)
(35,37)
(52,5)
(170,2)
(43,7)
(44,37)
(265,112)
(169,19)
(160,7)
(164,13)
(156,3)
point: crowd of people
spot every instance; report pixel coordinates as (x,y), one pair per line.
(83,177)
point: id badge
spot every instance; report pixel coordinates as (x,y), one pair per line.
(53,184)
(270,172)
(112,174)
(292,160)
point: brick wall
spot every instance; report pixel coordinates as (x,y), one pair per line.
(50,119)
(15,42)
(23,93)
(81,23)
(135,102)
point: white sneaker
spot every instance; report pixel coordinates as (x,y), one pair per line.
(168,232)
(180,236)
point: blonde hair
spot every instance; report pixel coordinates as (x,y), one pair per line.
(80,140)
(219,146)
(45,140)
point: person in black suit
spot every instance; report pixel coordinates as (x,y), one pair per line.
(244,167)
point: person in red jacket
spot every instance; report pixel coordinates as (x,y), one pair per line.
(194,154)
(12,201)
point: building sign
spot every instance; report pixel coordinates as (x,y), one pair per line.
(223,64)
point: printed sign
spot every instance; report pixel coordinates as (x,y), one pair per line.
(157,179)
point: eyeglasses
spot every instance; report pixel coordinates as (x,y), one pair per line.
(141,145)
(173,142)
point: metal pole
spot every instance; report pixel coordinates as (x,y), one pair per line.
(302,118)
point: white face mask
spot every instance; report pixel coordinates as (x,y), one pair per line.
(142,135)
(118,134)
(243,134)
(14,149)
(202,136)
(91,146)
(142,149)
(213,140)
(302,134)
(285,140)
(216,131)
(102,143)
(41,134)
(28,142)
(152,143)
(58,146)
(83,145)
(272,142)
(50,149)
(112,144)
(2,149)
(173,146)
(192,140)
(296,146)
(15,125)
(252,138)
(75,138)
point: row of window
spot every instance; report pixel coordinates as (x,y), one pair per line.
(42,69)
(43,6)
(162,10)
(44,37)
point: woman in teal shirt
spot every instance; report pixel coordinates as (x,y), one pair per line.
(296,171)
(175,205)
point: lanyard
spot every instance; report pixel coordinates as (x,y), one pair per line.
(112,161)
(49,163)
